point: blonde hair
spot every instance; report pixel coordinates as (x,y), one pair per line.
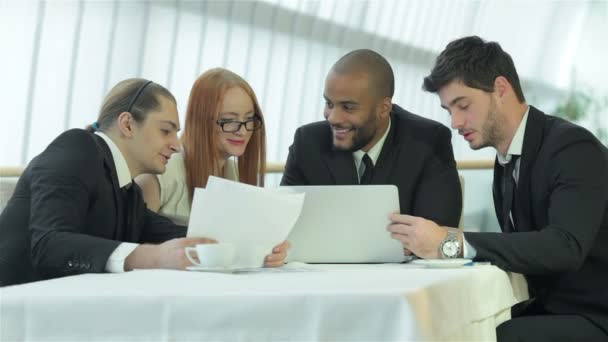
(135,95)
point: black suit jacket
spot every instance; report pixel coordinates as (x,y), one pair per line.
(67,214)
(561,238)
(417,157)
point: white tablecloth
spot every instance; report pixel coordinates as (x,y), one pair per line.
(333,302)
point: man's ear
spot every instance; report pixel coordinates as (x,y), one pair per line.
(126,124)
(386,105)
(502,86)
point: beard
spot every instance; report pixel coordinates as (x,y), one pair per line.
(491,131)
(363,134)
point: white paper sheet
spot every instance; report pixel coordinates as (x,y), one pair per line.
(242,214)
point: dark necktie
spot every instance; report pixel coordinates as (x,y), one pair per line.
(509,188)
(366,177)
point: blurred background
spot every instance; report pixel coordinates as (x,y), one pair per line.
(60,57)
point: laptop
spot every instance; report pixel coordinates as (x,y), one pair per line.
(345,224)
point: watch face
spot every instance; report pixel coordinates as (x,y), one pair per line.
(450,248)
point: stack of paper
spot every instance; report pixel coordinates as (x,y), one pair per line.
(243,214)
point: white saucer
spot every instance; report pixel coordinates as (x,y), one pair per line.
(214,269)
(441,263)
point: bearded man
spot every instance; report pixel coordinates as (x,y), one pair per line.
(366,139)
(550,194)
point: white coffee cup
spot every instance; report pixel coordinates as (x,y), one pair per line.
(251,256)
(212,255)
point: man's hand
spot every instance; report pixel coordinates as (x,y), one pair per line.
(418,235)
(277,258)
(168,255)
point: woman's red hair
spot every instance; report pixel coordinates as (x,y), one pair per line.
(201,153)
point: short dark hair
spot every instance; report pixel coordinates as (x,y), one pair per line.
(135,95)
(476,63)
(371,63)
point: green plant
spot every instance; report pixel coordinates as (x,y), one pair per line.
(575,107)
(582,104)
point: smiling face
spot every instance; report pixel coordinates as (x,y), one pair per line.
(474,114)
(154,140)
(352,111)
(237,105)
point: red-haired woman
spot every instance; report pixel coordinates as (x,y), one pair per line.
(223,136)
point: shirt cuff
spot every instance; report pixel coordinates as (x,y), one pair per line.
(116,261)
(468,251)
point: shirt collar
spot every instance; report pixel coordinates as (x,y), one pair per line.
(122,169)
(517,143)
(373,152)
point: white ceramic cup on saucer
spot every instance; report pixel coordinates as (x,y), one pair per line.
(212,255)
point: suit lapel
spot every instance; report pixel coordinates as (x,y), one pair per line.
(342,167)
(497,192)
(388,155)
(118,196)
(531,144)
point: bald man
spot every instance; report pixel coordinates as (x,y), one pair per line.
(366,139)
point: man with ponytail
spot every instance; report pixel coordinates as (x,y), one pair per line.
(76,209)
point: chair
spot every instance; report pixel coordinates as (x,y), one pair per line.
(7,187)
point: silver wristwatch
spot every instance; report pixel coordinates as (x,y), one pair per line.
(450,247)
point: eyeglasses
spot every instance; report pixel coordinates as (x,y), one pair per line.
(231,126)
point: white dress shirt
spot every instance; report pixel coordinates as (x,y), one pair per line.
(116,261)
(515,149)
(174,194)
(373,152)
